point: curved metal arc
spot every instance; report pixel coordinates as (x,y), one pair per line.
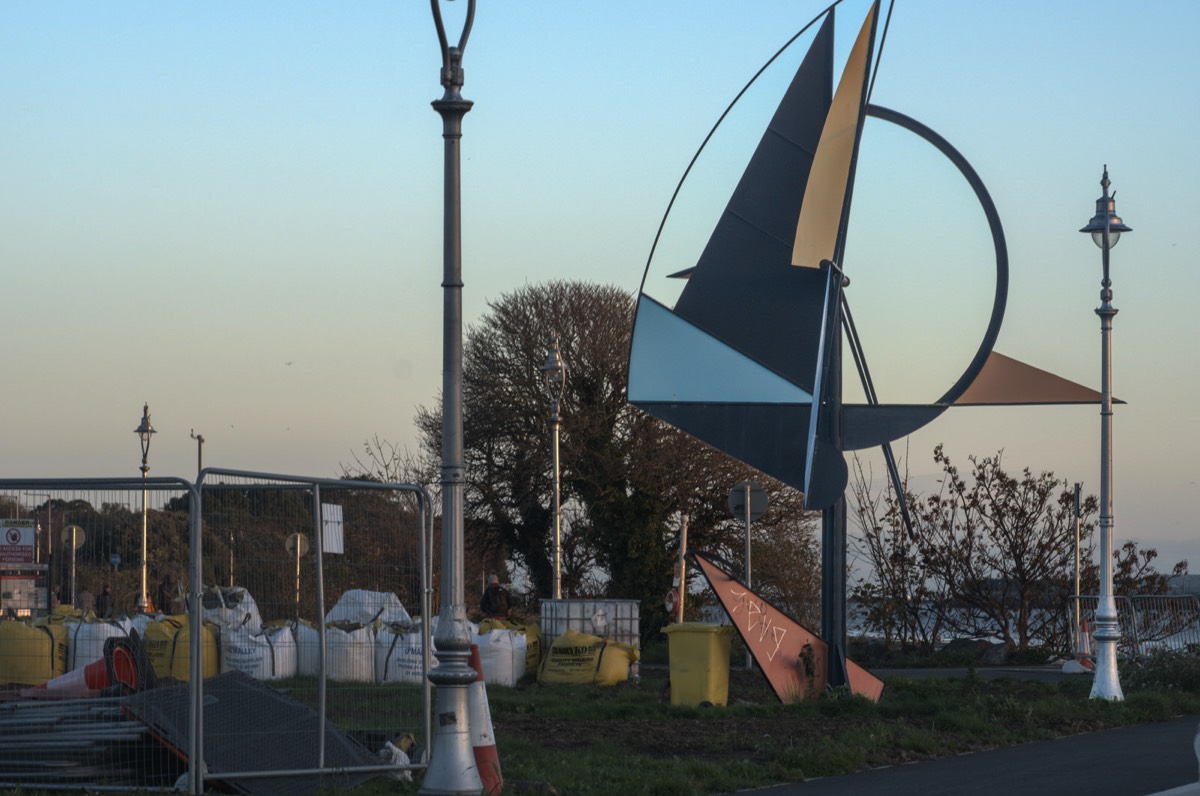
(1000,300)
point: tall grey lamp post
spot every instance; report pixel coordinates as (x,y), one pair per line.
(554,374)
(452,766)
(1106,228)
(144,431)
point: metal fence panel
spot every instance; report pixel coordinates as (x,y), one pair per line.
(71,574)
(1150,622)
(253,566)
(337,572)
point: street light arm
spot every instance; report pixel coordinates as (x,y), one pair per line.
(452,71)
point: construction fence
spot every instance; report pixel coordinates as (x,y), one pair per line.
(1150,622)
(276,627)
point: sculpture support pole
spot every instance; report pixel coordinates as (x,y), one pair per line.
(833,518)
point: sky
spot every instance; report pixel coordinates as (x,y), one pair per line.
(233,212)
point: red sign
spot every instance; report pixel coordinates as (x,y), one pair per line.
(16,541)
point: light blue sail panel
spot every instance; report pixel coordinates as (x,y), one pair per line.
(672,360)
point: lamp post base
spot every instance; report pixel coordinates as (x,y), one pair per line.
(452,768)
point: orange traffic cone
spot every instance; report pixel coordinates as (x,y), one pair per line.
(483,737)
(1083,647)
(115,667)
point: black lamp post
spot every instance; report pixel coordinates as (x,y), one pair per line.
(1106,228)
(144,430)
(554,379)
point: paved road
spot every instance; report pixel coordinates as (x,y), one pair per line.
(1130,761)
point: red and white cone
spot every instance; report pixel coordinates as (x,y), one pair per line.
(1082,661)
(483,737)
(120,667)
(1083,648)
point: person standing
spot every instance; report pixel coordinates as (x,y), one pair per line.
(494,602)
(104,602)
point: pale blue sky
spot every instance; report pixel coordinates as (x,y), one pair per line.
(196,195)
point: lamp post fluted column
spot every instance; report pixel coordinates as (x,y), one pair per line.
(554,379)
(144,430)
(452,768)
(1106,228)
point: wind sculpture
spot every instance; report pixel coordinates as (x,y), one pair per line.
(749,358)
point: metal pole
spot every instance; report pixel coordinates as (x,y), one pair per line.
(682,567)
(142,594)
(74,601)
(749,583)
(199,451)
(452,767)
(1079,617)
(1106,683)
(555,420)
(322,650)
(297,579)
(144,432)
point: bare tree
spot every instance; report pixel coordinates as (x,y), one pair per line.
(900,599)
(625,475)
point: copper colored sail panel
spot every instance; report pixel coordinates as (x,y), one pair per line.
(792,657)
(821,211)
(1005,380)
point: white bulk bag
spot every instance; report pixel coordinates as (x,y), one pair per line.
(269,655)
(85,640)
(350,653)
(308,649)
(231,607)
(283,646)
(140,622)
(362,607)
(399,655)
(502,655)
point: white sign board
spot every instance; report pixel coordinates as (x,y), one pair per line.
(331,521)
(17,540)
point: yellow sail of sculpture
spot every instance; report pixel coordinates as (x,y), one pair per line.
(825,196)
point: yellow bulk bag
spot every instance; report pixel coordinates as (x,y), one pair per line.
(168,643)
(31,654)
(577,658)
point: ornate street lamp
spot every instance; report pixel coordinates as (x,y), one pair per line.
(1106,228)
(554,377)
(144,431)
(452,766)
